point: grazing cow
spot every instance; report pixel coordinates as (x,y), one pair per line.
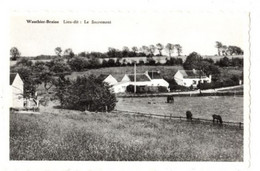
(170,99)
(217,118)
(189,115)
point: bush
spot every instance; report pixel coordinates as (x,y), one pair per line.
(85,93)
(78,64)
(162,89)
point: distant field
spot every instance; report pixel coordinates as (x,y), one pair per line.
(118,72)
(229,107)
(72,135)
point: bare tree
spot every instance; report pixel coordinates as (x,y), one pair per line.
(179,49)
(218,46)
(160,48)
(169,48)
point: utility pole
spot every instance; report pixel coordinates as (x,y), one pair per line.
(134,77)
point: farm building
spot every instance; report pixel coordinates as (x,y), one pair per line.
(142,79)
(108,78)
(157,79)
(16,88)
(190,78)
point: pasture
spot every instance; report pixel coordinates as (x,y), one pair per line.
(230,108)
(72,135)
(118,72)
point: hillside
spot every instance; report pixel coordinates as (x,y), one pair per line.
(70,135)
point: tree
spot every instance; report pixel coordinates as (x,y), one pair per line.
(234,50)
(160,48)
(86,93)
(68,53)
(24,62)
(179,49)
(44,75)
(111,52)
(169,48)
(125,51)
(151,49)
(29,83)
(58,51)
(145,50)
(218,46)
(192,61)
(14,52)
(135,50)
(224,50)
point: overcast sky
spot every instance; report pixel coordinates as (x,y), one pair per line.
(193,31)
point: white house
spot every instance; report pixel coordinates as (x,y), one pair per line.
(16,89)
(108,79)
(189,78)
(148,78)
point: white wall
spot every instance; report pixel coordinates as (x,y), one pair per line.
(17,92)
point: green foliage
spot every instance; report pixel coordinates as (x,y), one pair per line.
(85,93)
(29,83)
(195,61)
(174,61)
(24,62)
(82,63)
(192,61)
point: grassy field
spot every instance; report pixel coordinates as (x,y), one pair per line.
(72,135)
(230,108)
(119,72)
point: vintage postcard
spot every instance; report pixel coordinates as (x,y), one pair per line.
(130,86)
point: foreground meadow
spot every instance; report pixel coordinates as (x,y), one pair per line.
(72,135)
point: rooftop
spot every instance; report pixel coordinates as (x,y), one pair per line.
(192,73)
(139,77)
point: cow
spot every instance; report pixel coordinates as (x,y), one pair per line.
(170,99)
(217,118)
(189,115)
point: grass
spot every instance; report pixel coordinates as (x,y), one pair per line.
(230,108)
(71,135)
(118,72)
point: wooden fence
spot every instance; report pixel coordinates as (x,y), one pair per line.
(152,115)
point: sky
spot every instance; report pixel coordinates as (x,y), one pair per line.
(194,31)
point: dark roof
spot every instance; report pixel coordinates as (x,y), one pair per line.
(139,77)
(154,75)
(103,76)
(192,73)
(12,77)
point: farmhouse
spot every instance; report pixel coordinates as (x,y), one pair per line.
(16,88)
(190,78)
(149,78)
